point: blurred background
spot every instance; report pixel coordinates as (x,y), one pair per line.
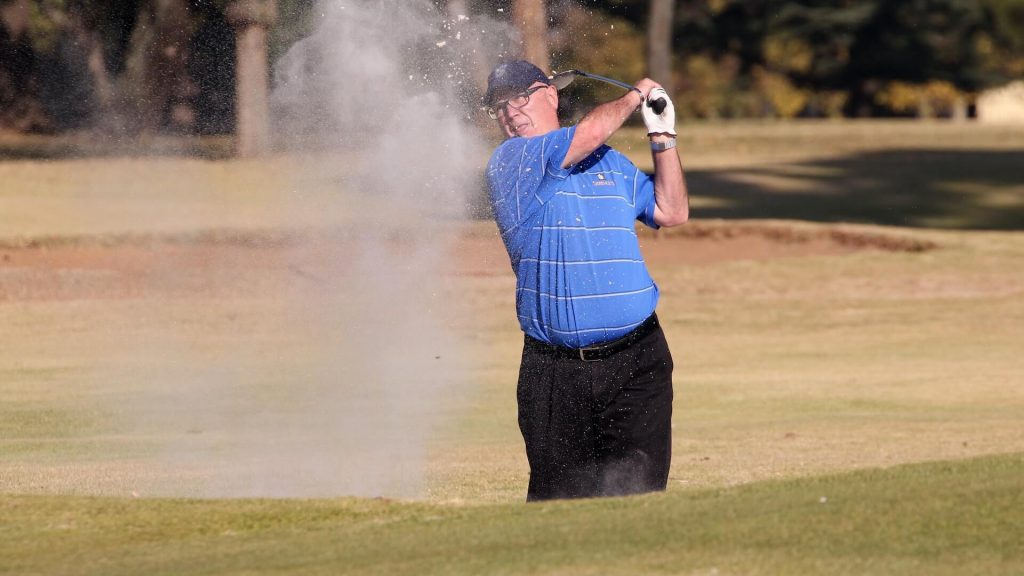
(202,68)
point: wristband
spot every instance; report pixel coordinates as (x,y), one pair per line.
(666,145)
(637,90)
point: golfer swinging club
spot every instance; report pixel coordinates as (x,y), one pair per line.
(595,382)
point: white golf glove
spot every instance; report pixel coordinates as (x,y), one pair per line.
(664,123)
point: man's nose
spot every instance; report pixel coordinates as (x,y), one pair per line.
(512,113)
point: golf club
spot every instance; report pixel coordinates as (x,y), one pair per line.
(563,79)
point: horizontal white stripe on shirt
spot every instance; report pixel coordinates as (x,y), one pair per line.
(568,263)
(603,329)
(587,296)
(592,197)
(587,228)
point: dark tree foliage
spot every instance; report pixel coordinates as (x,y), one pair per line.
(1004,25)
(76,59)
(857,46)
(830,29)
(86,63)
(212,65)
(860,46)
(19,87)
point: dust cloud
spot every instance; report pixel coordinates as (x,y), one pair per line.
(338,389)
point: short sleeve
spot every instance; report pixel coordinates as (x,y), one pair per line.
(517,171)
(644,199)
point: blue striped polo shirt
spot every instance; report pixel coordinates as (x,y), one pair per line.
(580,277)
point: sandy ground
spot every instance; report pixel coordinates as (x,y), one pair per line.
(216,264)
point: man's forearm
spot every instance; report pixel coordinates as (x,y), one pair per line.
(599,124)
(672,202)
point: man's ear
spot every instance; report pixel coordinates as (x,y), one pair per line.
(552,96)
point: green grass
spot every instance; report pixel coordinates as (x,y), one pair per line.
(941,518)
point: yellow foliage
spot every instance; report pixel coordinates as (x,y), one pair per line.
(790,54)
(703,85)
(785,99)
(714,89)
(717,6)
(900,96)
(828,103)
(934,98)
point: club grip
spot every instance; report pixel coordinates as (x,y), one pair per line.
(658,105)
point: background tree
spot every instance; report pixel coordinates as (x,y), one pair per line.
(156,85)
(531,19)
(20,107)
(892,46)
(119,64)
(251,19)
(132,66)
(868,49)
(660,18)
(1002,41)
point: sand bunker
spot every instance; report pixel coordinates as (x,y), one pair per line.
(223,263)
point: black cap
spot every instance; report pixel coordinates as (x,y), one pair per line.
(515,76)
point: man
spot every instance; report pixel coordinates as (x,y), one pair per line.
(595,382)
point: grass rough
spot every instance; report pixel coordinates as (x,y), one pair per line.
(937,518)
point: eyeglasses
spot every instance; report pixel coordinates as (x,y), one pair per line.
(517,102)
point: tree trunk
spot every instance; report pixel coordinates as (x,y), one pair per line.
(659,42)
(250,19)
(531,18)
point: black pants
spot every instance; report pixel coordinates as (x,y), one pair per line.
(597,428)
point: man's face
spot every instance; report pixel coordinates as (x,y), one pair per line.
(532,112)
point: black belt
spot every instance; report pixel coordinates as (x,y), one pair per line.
(599,351)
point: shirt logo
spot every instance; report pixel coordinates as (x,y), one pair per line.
(603,181)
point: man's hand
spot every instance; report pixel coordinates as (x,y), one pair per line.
(645,86)
(664,123)
(599,124)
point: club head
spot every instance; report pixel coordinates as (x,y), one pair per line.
(563,79)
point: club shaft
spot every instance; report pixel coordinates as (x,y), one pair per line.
(657,105)
(605,79)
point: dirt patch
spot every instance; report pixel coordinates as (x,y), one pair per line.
(796,234)
(480,251)
(252,262)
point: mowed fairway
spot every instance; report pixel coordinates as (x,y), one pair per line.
(849,397)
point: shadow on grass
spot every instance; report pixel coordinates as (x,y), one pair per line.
(960,189)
